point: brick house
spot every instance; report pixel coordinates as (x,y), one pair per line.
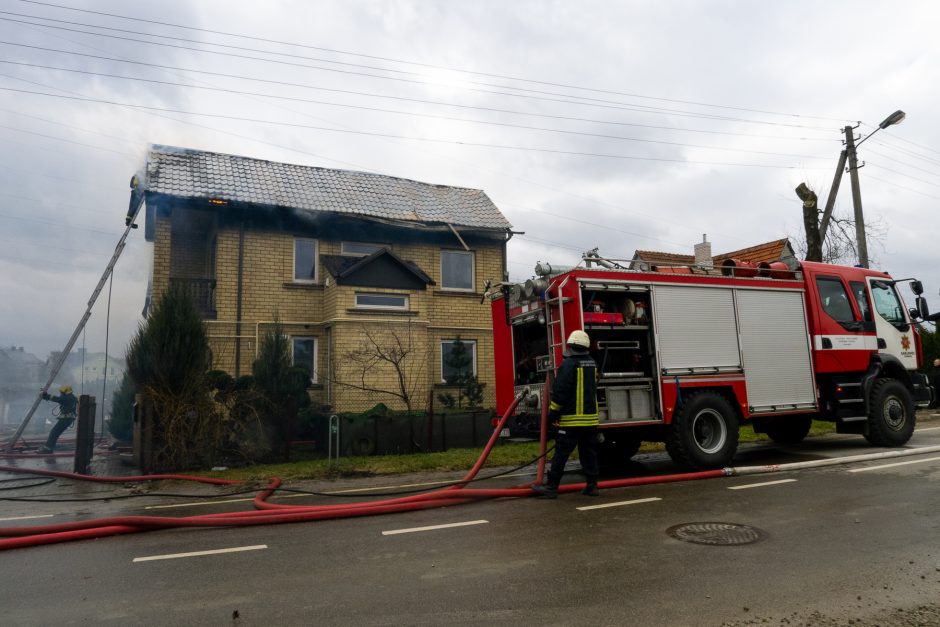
(353,265)
(776,250)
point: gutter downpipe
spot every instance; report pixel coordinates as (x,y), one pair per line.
(238,294)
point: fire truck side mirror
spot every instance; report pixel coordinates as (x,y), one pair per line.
(917,287)
(921,310)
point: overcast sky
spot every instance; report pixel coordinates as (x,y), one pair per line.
(616,124)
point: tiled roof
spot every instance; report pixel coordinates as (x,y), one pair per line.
(185,173)
(769,251)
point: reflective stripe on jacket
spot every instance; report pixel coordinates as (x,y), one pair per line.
(574,394)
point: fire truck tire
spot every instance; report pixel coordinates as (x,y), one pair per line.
(788,430)
(704,432)
(890,413)
(613,454)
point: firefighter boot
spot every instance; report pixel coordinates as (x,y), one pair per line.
(590,488)
(549,489)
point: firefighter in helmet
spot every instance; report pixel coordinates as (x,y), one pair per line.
(573,409)
(67,406)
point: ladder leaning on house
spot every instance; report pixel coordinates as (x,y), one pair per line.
(137,198)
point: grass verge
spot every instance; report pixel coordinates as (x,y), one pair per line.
(505,454)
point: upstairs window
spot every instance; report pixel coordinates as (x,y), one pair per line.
(359,249)
(382,301)
(304,354)
(305,260)
(457,270)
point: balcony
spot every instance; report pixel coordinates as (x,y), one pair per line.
(202,292)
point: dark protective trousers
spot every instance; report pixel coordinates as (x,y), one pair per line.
(60,425)
(585,439)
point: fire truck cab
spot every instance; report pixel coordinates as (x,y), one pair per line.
(687,354)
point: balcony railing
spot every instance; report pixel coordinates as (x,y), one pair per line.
(202,292)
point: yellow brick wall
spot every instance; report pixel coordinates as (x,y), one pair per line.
(327,311)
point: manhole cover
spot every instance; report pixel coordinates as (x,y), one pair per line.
(715,533)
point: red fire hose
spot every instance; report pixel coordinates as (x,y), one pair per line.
(269,513)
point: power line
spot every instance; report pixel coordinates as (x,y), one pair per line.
(581,101)
(403,98)
(427,65)
(394,136)
(913,178)
(68,141)
(400,112)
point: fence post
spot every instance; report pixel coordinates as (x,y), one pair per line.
(85,434)
(331,436)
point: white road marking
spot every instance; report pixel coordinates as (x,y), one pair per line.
(172,556)
(196,504)
(618,504)
(928,428)
(913,461)
(393,532)
(760,485)
(27,517)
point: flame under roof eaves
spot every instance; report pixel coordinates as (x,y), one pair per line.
(190,174)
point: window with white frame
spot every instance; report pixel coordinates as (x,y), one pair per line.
(359,249)
(304,354)
(457,270)
(305,260)
(382,301)
(454,365)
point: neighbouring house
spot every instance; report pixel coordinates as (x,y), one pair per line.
(371,277)
(776,250)
(21,375)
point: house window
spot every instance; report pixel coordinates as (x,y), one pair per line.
(382,301)
(304,354)
(450,369)
(359,249)
(305,260)
(456,270)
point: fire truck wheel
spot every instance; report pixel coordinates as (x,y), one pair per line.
(890,413)
(789,430)
(704,432)
(614,453)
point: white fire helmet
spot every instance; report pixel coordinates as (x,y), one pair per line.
(579,338)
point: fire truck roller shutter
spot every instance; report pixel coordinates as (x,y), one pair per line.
(696,329)
(778,366)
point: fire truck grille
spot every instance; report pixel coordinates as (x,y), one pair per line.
(715,533)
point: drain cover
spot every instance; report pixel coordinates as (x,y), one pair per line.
(715,533)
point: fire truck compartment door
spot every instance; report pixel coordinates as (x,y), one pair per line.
(778,366)
(695,329)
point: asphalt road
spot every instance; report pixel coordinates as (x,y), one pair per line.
(854,544)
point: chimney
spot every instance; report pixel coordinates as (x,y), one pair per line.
(703,253)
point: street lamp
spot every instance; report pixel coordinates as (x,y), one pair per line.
(850,148)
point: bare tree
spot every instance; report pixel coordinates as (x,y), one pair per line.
(839,244)
(383,351)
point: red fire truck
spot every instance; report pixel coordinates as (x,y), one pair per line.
(687,354)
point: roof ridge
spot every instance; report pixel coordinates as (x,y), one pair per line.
(167,149)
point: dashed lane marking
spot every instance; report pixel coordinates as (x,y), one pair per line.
(618,504)
(173,556)
(392,532)
(913,461)
(27,517)
(760,485)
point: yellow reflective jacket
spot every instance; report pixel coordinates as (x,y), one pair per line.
(574,393)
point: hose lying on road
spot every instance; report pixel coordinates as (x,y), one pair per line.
(269,513)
